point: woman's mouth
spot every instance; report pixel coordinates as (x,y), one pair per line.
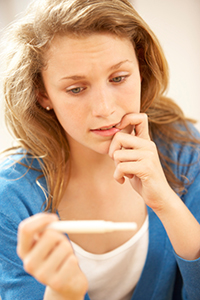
(106,130)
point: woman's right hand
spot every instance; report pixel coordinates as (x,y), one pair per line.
(48,256)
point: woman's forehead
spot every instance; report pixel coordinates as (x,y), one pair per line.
(87,43)
(75,53)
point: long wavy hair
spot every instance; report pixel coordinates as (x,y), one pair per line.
(37,130)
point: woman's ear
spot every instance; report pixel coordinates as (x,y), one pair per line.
(43,100)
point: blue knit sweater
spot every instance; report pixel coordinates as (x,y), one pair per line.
(165,275)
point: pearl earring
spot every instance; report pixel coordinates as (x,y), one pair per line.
(48,108)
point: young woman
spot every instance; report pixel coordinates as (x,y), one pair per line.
(98,140)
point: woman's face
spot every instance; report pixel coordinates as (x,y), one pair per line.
(91,84)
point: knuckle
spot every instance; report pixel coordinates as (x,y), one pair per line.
(56,283)
(41,276)
(53,235)
(29,266)
(50,234)
(150,155)
(116,155)
(23,228)
(152,145)
(72,260)
(66,246)
(120,168)
(19,251)
(118,136)
(144,116)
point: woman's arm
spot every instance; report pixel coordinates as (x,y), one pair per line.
(181,226)
(136,157)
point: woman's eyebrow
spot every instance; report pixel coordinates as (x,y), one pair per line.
(80,77)
(118,65)
(73,77)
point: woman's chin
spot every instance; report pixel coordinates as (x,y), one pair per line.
(103,148)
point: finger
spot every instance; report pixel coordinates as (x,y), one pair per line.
(54,262)
(127,141)
(127,155)
(29,228)
(70,279)
(139,123)
(129,169)
(46,244)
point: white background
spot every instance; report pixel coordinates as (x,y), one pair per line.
(176,24)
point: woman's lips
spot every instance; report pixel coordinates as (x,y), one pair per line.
(106,130)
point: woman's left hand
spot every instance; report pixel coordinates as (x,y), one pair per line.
(136,157)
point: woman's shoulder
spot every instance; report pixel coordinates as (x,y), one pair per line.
(22,186)
(183,155)
(17,163)
(189,151)
(184,150)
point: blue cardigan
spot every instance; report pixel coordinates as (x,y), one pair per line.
(165,276)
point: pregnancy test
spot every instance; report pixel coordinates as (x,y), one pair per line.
(95,226)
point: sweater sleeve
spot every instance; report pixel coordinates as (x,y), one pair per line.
(20,197)
(190,271)
(15,282)
(189,158)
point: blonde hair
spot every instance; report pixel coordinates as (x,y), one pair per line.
(39,131)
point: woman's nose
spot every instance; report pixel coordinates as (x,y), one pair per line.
(103,103)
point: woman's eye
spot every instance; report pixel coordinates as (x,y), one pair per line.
(75,90)
(118,79)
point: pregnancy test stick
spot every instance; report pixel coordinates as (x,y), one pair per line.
(91,226)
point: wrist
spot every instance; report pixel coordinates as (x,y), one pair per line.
(51,294)
(167,203)
(181,226)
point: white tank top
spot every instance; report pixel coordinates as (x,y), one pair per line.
(114,275)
